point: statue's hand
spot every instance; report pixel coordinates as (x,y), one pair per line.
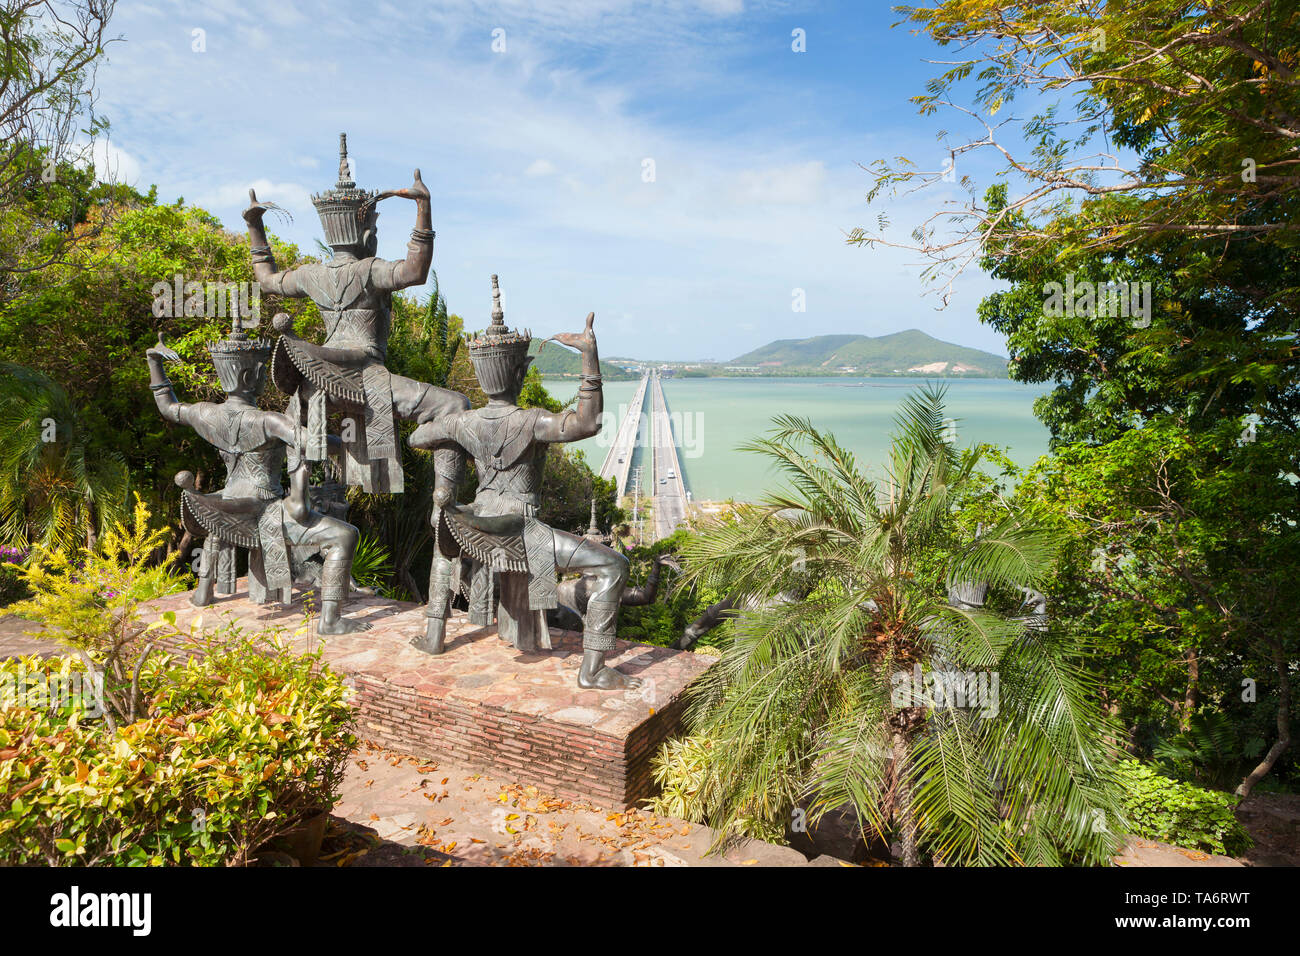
(162,352)
(583,341)
(253,214)
(417,190)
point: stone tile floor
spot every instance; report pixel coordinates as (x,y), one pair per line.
(398,810)
(15,641)
(477,666)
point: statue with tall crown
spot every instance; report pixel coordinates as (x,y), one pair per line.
(512,555)
(346,374)
(287,540)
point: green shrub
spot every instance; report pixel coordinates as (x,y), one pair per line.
(89,601)
(681,771)
(372,565)
(664,620)
(12,586)
(1180,813)
(237,748)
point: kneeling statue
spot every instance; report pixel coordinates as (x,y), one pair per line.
(286,538)
(509,548)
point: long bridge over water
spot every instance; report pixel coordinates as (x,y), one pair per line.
(618,462)
(666,480)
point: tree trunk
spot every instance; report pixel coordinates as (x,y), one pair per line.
(903,805)
(180,555)
(1283,725)
(92,527)
(1193,681)
(408,582)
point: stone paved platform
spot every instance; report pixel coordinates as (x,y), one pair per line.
(485,704)
(413,813)
(20,637)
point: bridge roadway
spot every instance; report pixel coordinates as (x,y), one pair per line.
(669,493)
(618,462)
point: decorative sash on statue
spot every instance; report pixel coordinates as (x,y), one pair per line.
(275,551)
(509,543)
(350,381)
(540,542)
(249,523)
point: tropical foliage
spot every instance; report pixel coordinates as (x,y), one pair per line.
(235,749)
(119,755)
(89,600)
(57,489)
(1179,813)
(664,620)
(857,682)
(1153,152)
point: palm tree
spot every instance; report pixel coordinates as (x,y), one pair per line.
(826,689)
(55,489)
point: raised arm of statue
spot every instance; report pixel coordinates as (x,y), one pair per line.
(164,396)
(414,269)
(584,421)
(264,271)
(280,427)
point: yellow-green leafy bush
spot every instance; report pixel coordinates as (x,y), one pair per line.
(235,749)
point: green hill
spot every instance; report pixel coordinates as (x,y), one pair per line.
(907,351)
(556,361)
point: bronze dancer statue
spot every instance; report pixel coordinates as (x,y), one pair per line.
(346,374)
(287,540)
(511,549)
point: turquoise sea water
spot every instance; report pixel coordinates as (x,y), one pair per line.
(711,416)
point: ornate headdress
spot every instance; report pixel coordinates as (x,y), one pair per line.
(239,354)
(347,214)
(499,355)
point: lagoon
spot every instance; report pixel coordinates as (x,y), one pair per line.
(711,416)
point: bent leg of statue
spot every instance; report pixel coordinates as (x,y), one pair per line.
(207,573)
(604,573)
(337,541)
(439,606)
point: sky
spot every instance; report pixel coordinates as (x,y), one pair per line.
(674,166)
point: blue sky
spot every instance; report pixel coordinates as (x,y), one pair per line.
(535,154)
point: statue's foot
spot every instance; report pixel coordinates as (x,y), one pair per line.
(341,626)
(606,678)
(435,635)
(200,600)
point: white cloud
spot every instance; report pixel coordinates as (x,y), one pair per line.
(799,183)
(539,167)
(291,196)
(112,164)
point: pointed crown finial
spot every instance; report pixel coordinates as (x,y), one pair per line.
(345,168)
(236,326)
(498,316)
(499,354)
